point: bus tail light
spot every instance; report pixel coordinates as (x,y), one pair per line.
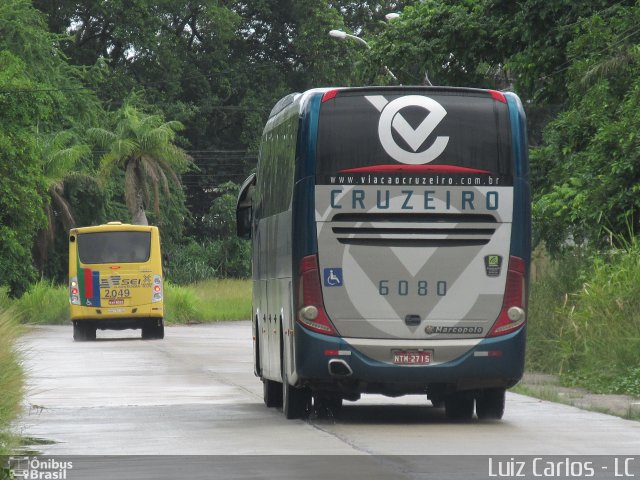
(74,292)
(498,96)
(157,289)
(512,316)
(311,311)
(328,95)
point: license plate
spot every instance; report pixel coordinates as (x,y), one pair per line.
(411,357)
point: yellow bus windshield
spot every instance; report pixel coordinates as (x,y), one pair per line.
(114,247)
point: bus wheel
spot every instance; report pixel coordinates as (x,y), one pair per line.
(490,404)
(272,393)
(153,331)
(459,406)
(327,405)
(83,331)
(90,331)
(294,400)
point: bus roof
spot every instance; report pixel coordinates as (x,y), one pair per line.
(114,227)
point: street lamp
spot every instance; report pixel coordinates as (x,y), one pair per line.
(340,35)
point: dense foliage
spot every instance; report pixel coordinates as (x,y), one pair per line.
(588,169)
(215,67)
(33,77)
(12,379)
(585,319)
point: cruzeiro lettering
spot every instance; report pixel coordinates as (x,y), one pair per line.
(358,199)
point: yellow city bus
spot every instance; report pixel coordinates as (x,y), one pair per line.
(115,280)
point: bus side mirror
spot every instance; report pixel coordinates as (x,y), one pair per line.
(243,222)
(244,208)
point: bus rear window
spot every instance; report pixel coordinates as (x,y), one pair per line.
(114,247)
(434,131)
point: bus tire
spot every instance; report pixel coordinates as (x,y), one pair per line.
(159,331)
(490,404)
(78,332)
(83,331)
(272,393)
(90,332)
(294,400)
(459,406)
(327,404)
(153,331)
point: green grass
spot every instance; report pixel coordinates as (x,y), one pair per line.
(552,285)
(11,379)
(208,301)
(44,304)
(585,321)
(227,299)
(548,394)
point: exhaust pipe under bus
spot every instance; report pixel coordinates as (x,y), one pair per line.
(339,368)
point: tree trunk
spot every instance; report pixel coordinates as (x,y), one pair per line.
(139,216)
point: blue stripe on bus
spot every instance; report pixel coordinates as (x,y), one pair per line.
(96,289)
(305,241)
(521,227)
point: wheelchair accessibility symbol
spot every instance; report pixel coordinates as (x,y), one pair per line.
(332,277)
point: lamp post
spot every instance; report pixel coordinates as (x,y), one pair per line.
(340,35)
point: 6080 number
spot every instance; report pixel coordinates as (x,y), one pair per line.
(405,287)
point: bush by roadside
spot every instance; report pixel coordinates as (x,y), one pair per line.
(585,321)
(11,379)
(207,301)
(44,304)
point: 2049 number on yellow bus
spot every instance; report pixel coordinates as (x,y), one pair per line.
(121,293)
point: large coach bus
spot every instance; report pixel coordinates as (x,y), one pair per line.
(391,244)
(115,280)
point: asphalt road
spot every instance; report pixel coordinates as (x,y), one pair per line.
(194,393)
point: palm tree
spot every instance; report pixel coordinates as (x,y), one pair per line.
(61,153)
(143,146)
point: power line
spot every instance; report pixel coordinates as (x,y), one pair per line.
(39,90)
(569,61)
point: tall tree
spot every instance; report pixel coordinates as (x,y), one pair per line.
(61,152)
(21,178)
(39,93)
(587,173)
(143,146)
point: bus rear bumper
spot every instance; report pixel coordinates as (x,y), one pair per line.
(332,363)
(154,310)
(118,318)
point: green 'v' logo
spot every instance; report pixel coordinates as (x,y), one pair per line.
(493,265)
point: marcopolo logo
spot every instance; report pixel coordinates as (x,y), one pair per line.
(391,119)
(431,330)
